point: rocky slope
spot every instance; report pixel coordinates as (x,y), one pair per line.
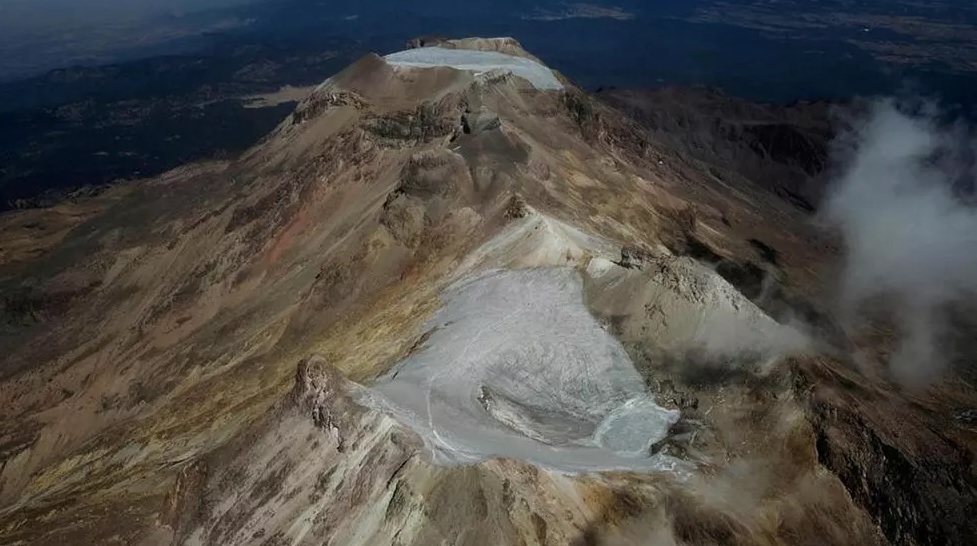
(782,148)
(198,358)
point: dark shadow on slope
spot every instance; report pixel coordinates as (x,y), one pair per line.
(766,289)
(767,252)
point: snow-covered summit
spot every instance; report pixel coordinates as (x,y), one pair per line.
(477,61)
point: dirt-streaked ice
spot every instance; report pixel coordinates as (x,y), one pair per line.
(477,61)
(517,367)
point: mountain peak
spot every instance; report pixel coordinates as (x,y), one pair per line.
(496,288)
(424,72)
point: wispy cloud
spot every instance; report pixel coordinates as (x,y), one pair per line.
(910,240)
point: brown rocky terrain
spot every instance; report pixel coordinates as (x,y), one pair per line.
(783,148)
(186,357)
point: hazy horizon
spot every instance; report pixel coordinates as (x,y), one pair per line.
(41,35)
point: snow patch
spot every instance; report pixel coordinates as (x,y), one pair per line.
(517,367)
(477,61)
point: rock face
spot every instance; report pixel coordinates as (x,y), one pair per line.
(479,122)
(425,41)
(634,257)
(231,353)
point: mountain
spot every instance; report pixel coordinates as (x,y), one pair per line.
(453,298)
(783,148)
(136,98)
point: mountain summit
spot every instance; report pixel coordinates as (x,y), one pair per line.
(451,299)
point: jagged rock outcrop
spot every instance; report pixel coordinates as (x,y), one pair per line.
(634,257)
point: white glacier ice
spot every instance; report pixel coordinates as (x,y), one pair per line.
(517,367)
(477,61)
